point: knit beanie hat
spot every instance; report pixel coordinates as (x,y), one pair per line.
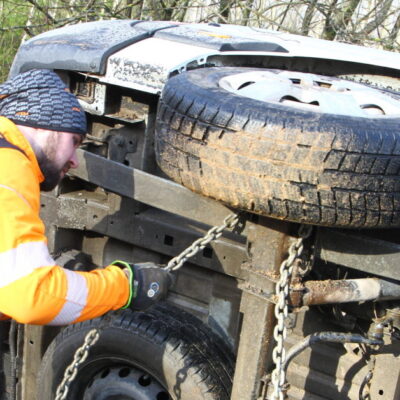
(39,99)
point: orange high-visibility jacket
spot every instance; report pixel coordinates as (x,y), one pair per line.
(33,289)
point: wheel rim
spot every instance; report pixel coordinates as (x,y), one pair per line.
(313,93)
(124,383)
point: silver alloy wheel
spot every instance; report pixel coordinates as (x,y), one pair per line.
(311,92)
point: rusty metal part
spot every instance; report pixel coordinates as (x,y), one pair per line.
(376,330)
(364,392)
(268,241)
(278,376)
(327,292)
(344,291)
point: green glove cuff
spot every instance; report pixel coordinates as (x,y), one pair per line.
(124,264)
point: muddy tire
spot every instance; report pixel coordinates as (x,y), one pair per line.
(162,354)
(278,160)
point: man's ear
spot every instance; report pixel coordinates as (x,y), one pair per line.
(36,137)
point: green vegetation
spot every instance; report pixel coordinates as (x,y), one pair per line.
(11,16)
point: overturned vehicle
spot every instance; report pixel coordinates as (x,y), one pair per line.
(290,147)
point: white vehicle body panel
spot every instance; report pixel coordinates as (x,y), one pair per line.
(147,64)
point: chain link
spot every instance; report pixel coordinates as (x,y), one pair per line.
(91,338)
(278,377)
(365,387)
(281,309)
(214,233)
(79,357)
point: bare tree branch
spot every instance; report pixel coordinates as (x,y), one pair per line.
(28,31)
(41,9)
(284,14)
(380,16)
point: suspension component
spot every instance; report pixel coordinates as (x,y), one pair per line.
(343,291)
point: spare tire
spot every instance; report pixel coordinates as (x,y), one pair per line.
(313,149)
(162,354)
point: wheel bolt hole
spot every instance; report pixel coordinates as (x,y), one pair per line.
(124,372)
(163,396)
(105,373)
(145,380)
(243,85)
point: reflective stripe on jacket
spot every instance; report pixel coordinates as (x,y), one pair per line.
(33,289)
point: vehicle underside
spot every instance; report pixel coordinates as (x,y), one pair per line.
(214,336)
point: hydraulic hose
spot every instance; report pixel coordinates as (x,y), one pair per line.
(330,337)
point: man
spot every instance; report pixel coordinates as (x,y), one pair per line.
(41,126)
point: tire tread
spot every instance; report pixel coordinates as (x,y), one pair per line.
(171,330)
(287,164)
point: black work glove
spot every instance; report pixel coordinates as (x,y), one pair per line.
(148,284)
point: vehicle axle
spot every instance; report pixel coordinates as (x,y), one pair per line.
(343,291)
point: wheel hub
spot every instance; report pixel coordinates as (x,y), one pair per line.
(124,383)
(311,92)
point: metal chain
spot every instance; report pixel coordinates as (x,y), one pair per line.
(278,377)
(91,338)
(214,233)
(365,387)
(79,357)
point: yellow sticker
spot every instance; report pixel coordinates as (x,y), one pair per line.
(214,35)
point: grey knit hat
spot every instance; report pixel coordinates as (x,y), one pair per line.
(38,98)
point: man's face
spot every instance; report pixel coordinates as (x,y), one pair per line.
(57,156)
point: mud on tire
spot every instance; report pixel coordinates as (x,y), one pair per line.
(277,160)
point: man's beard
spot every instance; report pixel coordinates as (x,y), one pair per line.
(51,173)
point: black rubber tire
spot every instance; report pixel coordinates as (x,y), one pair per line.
(277,160)
(182,354)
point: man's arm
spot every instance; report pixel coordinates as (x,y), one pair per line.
(33,289)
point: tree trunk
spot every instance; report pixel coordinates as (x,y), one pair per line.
(329,31)
(305,26)
(343,19)
(247,7)
(127,12)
